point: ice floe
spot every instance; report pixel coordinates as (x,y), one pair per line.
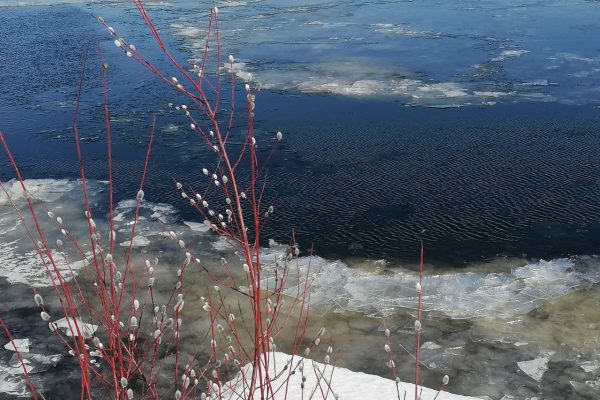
(21,345)
(76,327)
(534,368)
(454,294)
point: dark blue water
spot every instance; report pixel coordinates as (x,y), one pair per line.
(363,176)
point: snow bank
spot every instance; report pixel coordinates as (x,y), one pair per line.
(324,381)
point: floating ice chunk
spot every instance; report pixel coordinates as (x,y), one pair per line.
(138,241)
(534,368)
(435,356)
(403,30)
(509,54)
(239,70)
(430,346)
(22,345)
(34,363)
(493,94)
(456,294)
(47,190)
(536,82)
(27,267)
(221,244)
(77,324)
(590,366)
(187,31)
(197,226)
(571,57)
(11,385)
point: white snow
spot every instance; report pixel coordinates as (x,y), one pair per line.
(321,379)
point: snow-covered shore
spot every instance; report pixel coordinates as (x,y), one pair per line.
(325,381)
